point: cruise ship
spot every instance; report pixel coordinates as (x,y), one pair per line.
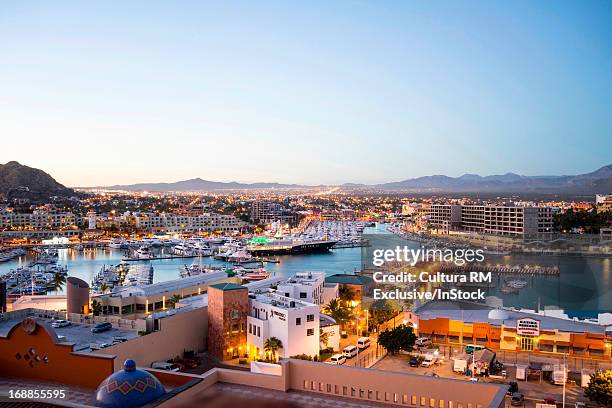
(264,246)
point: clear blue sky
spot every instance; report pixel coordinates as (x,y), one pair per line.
(310,92)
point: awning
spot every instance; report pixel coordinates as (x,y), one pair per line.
(579,345)
(454,333)
(509,338)
(547,342)
(563,343)
(596,347)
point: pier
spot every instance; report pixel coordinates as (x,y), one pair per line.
(502,269)
(156,258)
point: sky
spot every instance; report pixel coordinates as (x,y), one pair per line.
(316,92)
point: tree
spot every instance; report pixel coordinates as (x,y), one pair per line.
(346,294)
(400,338)
(271,346)
(380,311)
(103,287)
(96,307)
(599,389)
(59,280)
(323,338)
(174,300)
(335,309)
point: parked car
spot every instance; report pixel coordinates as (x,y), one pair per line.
(422,341)
(350,351)
(101,327)
(579,404)
(337,359)
(162,365)
(414,361)
(60,323)
(428,361)
(518,399)
(363,342)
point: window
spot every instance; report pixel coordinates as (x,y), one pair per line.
(298,321)
(287,294)
(310,332)
(258,332)
(310,318)
(302,295)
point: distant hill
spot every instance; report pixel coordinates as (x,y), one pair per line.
(19,181)
(598,181)
(197,184)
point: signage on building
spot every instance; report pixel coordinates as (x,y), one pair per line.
(280,315)
(527,327)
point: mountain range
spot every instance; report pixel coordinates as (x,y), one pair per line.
(19,181)
(599,181)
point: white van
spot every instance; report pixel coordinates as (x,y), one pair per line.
(422,341)
(350,351)
(337,359)
(363,342)
(162,365)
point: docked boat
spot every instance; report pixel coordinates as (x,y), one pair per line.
(144,252)
(264,246)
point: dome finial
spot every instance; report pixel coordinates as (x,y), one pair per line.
(129,365)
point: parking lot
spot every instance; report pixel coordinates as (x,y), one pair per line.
(532,389)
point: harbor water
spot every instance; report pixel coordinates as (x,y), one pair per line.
(583,287)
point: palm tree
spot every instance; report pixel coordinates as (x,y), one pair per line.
(335,309)
(323,338)
(96,307)
(58,282)
(346,294)
(174,300)
(271,346)
(103,287)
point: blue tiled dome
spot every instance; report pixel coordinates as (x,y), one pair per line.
(129,388)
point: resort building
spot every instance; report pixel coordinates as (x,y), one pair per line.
(519,221)
(37,220)
(294,322)
(266,212)
(175,223)
(306,286)
(458,323)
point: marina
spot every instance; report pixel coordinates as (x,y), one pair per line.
(581,286)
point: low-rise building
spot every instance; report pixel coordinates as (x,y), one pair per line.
(294,322)
(454,323)
(306,286)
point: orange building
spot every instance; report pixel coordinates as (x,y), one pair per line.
(514,331)
(32,349)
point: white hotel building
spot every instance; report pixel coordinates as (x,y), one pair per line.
(166,222)
(294,322)
(493,219)
(306,286)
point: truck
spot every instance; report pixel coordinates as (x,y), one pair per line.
(521,372)
(459,365)
(559,375)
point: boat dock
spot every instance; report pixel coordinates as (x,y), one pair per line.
(502,269)
(156,258)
